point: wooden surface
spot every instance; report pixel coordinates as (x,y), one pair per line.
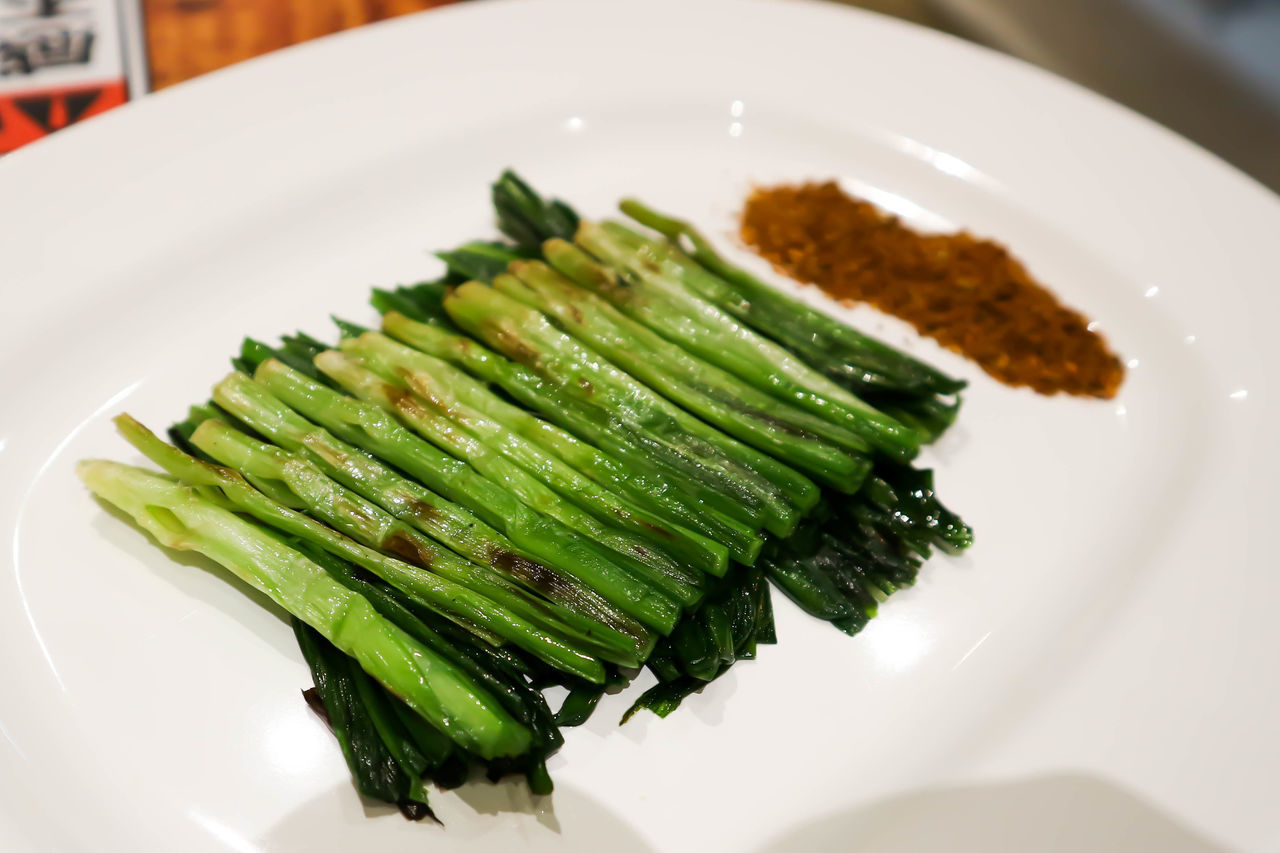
(187,38)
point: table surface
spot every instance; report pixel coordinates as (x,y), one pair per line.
(187,38)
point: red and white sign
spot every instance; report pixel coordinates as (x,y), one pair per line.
(62,61)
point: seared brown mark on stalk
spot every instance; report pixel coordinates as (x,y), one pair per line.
(421,385)
(647,263)
(661,531)
(531,573)
(332,456)
(423,511)
(406,549)
(403,401)
(517,349)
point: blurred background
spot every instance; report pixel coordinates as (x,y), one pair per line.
(1209,69)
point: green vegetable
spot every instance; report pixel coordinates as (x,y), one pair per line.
(620,455)
(431,376)
(425,566)
(498,670)
(376,770)
(634,595)
(177,517)
(412,504)
(391,731)
(447,587)
(651,284)
(525,217)
(794,436)
(651,293)
(842,564)
(779,492)
(839,350)
(665,696)
(722,484)
(482,261)
(455,529)
(374,430)
(579,704)
(647,538)
(888,379)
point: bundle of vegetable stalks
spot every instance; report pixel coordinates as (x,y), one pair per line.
(584,451)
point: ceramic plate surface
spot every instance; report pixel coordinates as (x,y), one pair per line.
(1098,672)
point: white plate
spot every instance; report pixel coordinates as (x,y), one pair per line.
(1099,672)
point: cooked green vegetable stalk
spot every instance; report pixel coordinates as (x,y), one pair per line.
(893,382)
(431,685)
(618,455)
(526,335)
(251,403)
(378,772)
(792,435)
(839,350)
(655,297)
(452,392)
(301,483)
(374,430)
(652,504)
(412,504)
(728,627)
(541,479)
(842,563)
(641,437)
(506,614)
(620,581)
(499,670)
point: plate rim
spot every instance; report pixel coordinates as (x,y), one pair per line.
(26,166)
